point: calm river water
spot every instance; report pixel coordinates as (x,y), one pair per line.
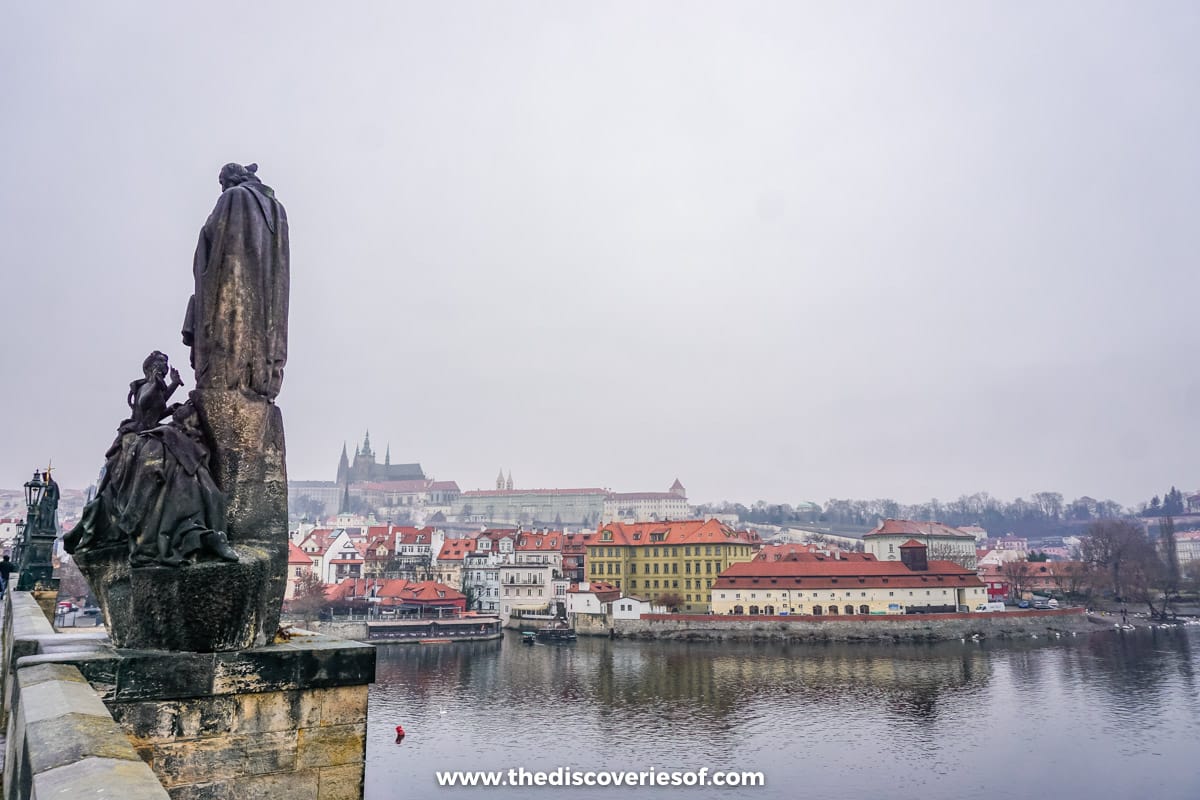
(1107,716)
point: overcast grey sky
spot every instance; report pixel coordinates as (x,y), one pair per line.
(779,250)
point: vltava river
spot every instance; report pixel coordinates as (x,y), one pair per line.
(1107,716)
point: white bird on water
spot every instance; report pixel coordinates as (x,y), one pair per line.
(441,709)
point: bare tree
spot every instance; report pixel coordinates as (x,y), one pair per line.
(1170,552)
(941,550)
(309,598)
(672,600)
(1073,578)
(1016,575)
(1115,546)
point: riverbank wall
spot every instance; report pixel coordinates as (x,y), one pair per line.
(466,629)
(897,628)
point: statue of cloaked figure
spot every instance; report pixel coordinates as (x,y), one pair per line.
(157,495)
(236,322)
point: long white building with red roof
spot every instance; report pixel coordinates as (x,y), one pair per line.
(813,584)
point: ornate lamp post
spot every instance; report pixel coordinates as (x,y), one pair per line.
(18,542)
(37,541)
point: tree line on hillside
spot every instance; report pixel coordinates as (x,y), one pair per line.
(1042,515)
(1170,505)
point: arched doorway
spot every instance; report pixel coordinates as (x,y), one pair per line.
(816,611)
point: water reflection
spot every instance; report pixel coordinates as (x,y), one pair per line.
(944,720)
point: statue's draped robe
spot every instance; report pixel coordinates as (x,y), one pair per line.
(236,322)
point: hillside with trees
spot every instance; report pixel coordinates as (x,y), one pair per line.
(1043,515)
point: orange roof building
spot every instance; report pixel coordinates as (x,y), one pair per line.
(670,563)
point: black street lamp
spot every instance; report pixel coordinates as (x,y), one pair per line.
(34,567)
(33,491)
(18,542)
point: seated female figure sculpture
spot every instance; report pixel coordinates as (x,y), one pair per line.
(157,495)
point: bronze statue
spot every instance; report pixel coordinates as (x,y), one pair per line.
(186,540)
(236,322)
(157,496)
(148,396)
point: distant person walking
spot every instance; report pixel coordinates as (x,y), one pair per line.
(6,568)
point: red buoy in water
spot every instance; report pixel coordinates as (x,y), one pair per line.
(399,732)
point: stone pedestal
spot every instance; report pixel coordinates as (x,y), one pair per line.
(204,607)
(285,720)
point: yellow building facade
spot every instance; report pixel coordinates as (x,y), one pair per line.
(678,561)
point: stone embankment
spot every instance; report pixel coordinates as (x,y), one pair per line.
(907,628)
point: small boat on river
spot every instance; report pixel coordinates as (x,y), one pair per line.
(556,633)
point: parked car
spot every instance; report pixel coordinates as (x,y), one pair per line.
(1022,604)
(91,611)
(1044,603)
(988,607)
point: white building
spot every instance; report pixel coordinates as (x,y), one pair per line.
(481,581)
(626,607)
(648,506)
(526,590)
(942,542)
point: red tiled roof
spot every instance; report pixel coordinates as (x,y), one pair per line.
(414,535)
(829,573)
(912,543)
(551,541)
(605,592)
(351,587)
(644,496)
(839,567)
(395,592)
(457,549)
(321,538)
(641,534)
(297,556)
(902,527)
(443,486)
(781,552)
(400,487)
(516,492)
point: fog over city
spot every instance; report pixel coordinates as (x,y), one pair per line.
(777,250)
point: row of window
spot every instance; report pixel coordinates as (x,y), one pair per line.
(668,584)
(738,595)
(614,568)
(667,552)
(817,611)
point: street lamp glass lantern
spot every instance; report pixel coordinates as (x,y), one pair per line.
(34,489)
